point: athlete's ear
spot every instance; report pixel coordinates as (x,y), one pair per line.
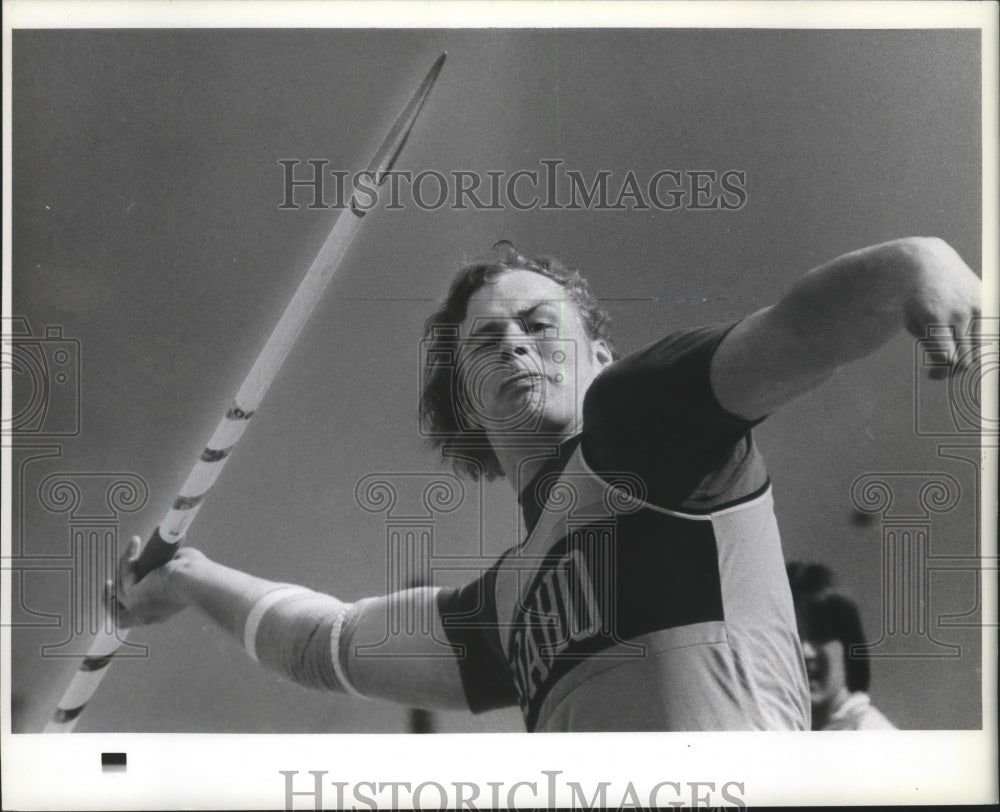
(601,352)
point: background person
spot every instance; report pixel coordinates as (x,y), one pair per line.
(830,628)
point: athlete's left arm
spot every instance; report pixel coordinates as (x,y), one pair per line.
(840,312)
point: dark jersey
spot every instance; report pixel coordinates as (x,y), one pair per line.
(650,590)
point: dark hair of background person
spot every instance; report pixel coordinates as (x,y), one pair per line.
(826,613)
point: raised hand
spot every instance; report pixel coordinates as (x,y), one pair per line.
(946,296)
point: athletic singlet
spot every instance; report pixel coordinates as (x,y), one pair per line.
(650,591)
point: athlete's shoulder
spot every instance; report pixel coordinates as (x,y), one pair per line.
(690,349)
(653,413)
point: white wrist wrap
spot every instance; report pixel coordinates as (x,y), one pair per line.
(260,609)
(297,633)
(338,666)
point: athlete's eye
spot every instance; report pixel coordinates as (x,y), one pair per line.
(483,345)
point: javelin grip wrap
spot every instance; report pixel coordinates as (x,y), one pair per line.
(156,553)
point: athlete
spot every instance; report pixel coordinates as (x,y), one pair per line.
(648,591)
(833,643)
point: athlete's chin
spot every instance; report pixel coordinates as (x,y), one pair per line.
(533,418)
(558,424)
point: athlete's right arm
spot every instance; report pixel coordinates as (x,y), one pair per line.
(310,638)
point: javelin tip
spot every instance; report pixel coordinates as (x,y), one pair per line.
(391,147)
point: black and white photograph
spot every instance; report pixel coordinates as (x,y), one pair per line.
(625,371)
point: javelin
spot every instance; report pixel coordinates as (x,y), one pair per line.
(169,535)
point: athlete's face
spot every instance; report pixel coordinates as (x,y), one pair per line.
(526,360)
(825,668)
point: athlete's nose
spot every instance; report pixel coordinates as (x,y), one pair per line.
(509,348)
(513,340)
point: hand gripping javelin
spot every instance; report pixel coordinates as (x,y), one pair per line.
(169,535)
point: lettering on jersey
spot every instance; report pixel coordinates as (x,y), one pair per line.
(562,609)
(602,586)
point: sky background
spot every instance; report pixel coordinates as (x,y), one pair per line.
(146,226)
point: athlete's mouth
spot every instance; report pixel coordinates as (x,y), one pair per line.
(520,380)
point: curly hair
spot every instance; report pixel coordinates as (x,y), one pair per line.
(468,449)
(827,613)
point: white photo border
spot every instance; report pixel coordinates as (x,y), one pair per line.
(242,772)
